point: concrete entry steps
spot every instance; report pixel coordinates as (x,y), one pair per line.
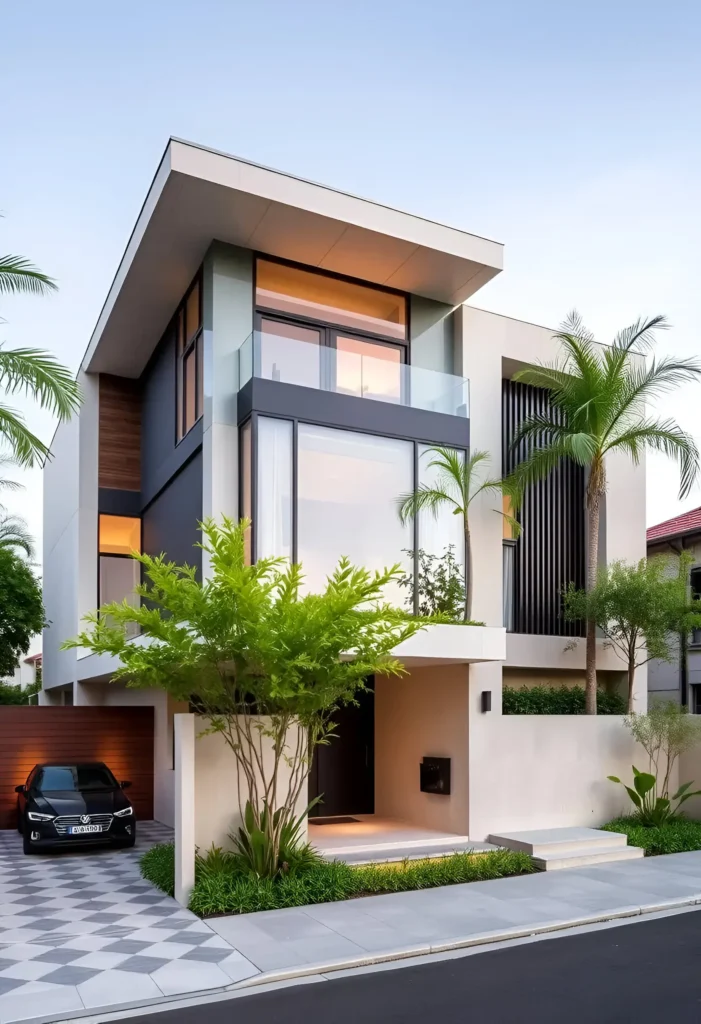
(554,848)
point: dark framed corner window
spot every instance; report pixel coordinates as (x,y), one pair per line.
(119,573)
(189,360)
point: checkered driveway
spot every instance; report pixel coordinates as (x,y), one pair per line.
(83,930)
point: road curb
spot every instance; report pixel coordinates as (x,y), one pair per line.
(466,942)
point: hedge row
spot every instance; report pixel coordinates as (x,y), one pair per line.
(561,700)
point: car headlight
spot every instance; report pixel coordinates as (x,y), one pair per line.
(35,816)
(126,813)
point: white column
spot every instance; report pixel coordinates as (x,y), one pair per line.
(184,807)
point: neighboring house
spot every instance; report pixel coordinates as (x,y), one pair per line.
(27,667)
(679,680)
(276,349)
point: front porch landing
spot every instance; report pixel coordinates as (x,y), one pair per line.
(372,839)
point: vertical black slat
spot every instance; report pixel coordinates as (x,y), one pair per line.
(550,551)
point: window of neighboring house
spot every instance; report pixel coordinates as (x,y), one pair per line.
(695,703)
(188,326)
(120,574)
(695,588)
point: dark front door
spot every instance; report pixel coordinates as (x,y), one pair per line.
(344,771)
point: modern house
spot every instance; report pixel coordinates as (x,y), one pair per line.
(679,680)
(275,349)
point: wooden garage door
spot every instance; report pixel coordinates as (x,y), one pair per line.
(122,737)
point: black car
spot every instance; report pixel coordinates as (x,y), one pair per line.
(74,804)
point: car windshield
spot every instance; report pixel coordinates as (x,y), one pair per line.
(75,777)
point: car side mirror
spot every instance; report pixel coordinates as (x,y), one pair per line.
(125,785)
(20,789)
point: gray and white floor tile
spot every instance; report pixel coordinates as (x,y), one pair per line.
(83,930)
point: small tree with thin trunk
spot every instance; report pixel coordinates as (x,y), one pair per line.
(265,664)
(457,485)
(641,609)
(598,396)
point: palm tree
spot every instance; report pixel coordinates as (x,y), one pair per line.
(457,487)
(31,371)
(597,396)
(15,535)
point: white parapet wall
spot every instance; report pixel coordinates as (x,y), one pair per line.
(548,771)
(446,644)
(210,792)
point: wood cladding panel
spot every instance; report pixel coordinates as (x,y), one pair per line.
(122,737)
(120,433)
(550,552)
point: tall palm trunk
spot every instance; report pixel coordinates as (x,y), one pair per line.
(468,573)
(595,489)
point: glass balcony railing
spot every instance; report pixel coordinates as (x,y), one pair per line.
(378,376)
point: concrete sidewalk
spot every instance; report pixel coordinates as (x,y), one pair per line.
(334,936)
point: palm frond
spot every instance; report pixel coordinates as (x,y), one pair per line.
(667,437)
(18,275)
(28,450)
(425,498)
(640,333)
(39,374)
(14,534)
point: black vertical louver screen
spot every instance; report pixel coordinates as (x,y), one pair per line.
(550,551)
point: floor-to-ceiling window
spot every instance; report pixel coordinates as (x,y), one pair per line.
(348,484)
(316,493)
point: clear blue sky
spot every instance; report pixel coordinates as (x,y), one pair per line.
(570,132)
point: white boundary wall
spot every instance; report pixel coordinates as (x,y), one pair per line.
(548,771)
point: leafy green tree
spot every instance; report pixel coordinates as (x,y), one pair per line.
(641,609)
(598,396)
(31,371)
(21,609)
(263,663)
(457,485)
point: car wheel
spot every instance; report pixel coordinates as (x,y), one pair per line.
(27,845)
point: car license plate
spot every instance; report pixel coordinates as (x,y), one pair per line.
(79,830)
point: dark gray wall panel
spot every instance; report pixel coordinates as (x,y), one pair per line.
(333,410)
(161,458)
(550,552)
(169,524)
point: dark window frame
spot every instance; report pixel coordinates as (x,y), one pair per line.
(192,345)
(296,421)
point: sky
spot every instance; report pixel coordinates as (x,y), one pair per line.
(569,132)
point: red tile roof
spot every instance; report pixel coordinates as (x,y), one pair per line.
(690,522)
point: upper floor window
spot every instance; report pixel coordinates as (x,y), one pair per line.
(189,360)
(314,296)
(119,537)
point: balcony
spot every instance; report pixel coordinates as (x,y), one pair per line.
(379,377)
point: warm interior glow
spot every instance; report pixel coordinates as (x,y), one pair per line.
(506,508)
(119,535)
(304,293)
(368,370)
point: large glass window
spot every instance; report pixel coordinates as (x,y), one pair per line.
(188,321)
(274,522)
(368,370)
(348,485)
(290,353)
(246,480)
(437,532)
(310,295)
(120,574)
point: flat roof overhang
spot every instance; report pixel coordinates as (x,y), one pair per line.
(199,196)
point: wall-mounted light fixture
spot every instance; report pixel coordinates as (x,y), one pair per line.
(486,700)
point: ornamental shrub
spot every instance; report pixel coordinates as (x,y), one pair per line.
(560,700)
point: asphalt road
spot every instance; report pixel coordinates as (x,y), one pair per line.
(649,971)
